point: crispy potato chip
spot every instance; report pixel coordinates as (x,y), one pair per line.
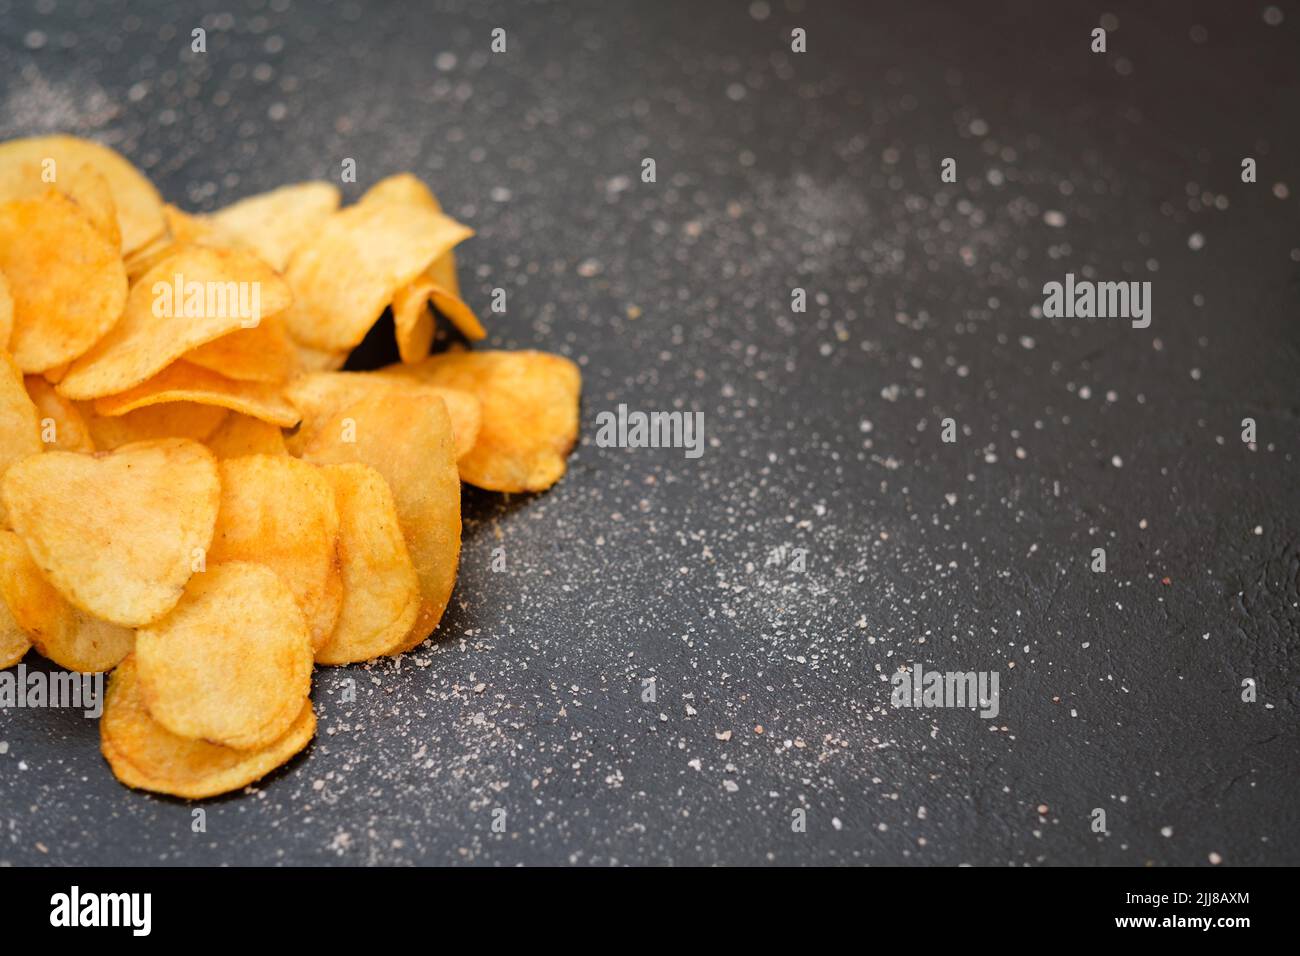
(118,533)
(381,594)
(529,416)
(137,203)
(65,276)
(347,273)
(60,421)
(460,315)
(20,428)
(69,637)
(81,183)
(280,512)
(275,223)
(231,664)
(412,319)
(403,188)
(183,382)
(169,420)
(261,354)
(145,755)
(319,395)
(221,289)
(410,443)
(241,435)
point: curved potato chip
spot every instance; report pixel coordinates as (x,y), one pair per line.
(61,423)
(412,320)
(169,420)
(241,435)
(280,511)
(65,276)
(137,203)
(145,755)
(67,636)
(460,314)
(231,664)
(273,224)
(219,291)
(381,594)
(81,183)
(117,533)
(183,382)
(410,443)
(263,353)
(319,395)
(346,274)
(20,429)
(529,415)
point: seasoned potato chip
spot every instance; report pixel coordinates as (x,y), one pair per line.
(81,183)
(138,205)
(411,445)
(381,594)
(346,274)
(320,394)
(169,420)
(412,319)
(145,755)
(221,290)
(241,435)
(260,354)
(65,276)
(231,664)
(275,223)
(67,636)
(183,382)
(20,430)
(61,423)
(280,512)
(118,533)
(529,416)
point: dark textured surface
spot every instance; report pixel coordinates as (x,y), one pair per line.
(776,170)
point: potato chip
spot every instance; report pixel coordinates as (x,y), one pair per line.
(241,435)
(346,274)
(320,394)
(529,414)
(60,421)
(411,445)
(280,512)
(14,644)
(183,382)
(81,183)
(275,223)
(65,276)
(381,594)
(412,319)
(20,430)
(231,664)
(220,291)
(145,755)
(117,534)
(169,420)
(138,205)
(261,354)
(69,637)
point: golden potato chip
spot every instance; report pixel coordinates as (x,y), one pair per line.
(183,382)
(529,413)
(461,315)
(81,183)
(241,435)
(410,443)
(412,319)
(261,354)
(13,639)
(65,276)
(275,223)
(346,274)
(319,395)
(20,429)
(169,420)
(280,512)
(117,534)
(231,664)
(69,637)
(145,755)
(404,188)
(381,594)
(190,298)
(61,423)
(138,205)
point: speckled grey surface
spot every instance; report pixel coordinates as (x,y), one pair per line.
(1119,691)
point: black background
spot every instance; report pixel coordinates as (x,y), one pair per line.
(778,170)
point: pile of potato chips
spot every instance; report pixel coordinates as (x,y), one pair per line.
(191,494)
